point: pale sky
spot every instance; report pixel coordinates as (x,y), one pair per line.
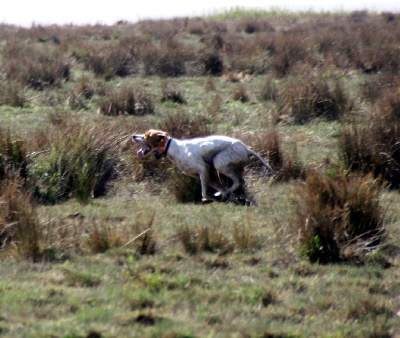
(45,12)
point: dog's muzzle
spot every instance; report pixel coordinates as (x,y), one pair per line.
(142,152)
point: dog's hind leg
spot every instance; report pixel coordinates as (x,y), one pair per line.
(237,181)
(219,187)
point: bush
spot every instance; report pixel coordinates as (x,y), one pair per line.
(19,224)
(166,58)
(34,66)
(79,163)
(205,238)
(339,217)
(269,92)
(213,63)
(13,156)
(110,61)
(124,101)
(171,95)
(373,147)
(184,125)
(307,97)
(268,145)
(288,51)
(240,94)
(12,94)
(186,189)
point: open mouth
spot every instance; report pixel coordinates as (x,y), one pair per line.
(141,153)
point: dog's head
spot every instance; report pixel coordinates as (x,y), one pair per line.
(151,141)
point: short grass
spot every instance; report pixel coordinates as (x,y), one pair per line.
(267,289)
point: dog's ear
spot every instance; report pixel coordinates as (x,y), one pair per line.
(156,134)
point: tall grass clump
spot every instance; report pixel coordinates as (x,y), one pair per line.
(107,62)
(339,217)
(125,100)
(373,147)
(19,224)
(13,156)
(286,162)
(305,97)
(184,125)
(204,239)
(37,67)
(166,58)
(79,163)
(12,94)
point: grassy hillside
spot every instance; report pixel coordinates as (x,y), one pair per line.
(95,243)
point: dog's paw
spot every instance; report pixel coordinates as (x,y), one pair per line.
(226,197)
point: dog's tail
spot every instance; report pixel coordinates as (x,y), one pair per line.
(264,163)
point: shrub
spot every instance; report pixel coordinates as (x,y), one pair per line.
(124,101)
(34,66)
(213,63)
(288,51)
(269,92)
(240,94)
(373,146)
(339,217)
(110,61)
(19,224)
(251,26)
(292,168)
(308,97)
(171,95)
(102,237)
(79,163)
(166,58)
(206,238)
(13,156)
(375,86)
(184,125)
(84,88)
(196,27)
(245,237)
(268,145)
(12,94)
(216,105)
(186,189)
(121,101)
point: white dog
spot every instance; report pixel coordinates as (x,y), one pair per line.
(200,157)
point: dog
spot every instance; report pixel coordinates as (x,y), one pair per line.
(202,156)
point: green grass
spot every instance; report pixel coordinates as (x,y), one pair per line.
(268,289)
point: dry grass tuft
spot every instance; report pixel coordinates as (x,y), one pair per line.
(19,224)
(335,213)
(125,100)
(305,97)
(373,147)
(80,161)
(205,238)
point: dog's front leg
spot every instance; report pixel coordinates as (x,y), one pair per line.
(205,182)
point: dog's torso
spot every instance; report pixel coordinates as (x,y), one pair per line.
(191,155)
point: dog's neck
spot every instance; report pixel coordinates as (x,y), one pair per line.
(165,145)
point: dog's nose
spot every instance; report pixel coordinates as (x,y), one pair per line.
(137,138)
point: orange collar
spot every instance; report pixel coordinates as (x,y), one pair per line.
(165,145)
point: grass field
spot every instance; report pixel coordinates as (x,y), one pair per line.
(95,243)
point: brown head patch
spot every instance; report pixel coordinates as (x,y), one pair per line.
(154,137)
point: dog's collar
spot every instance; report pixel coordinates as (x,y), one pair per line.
(164,148)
